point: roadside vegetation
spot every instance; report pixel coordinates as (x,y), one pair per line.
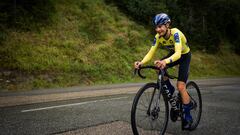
(86,42)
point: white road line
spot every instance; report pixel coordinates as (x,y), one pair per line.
(67,105)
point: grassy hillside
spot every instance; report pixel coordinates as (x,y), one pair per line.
(89,42)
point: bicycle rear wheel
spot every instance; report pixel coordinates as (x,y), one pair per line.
(149,114)
(195,95)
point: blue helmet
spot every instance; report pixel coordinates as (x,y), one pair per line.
(161,19)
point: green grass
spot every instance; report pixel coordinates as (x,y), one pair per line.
(89,43)
(222,64)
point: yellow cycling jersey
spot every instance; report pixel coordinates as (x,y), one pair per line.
(177,43)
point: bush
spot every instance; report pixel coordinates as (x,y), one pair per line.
(26,14)
(3,34)
(140,10)
(204,22)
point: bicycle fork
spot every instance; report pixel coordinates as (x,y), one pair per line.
(154,112)
(156,108)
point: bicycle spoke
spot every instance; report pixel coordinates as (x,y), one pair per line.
(194,93)
(144,118)
(146,97)
(150,111)
(143,110)
(143,104)
(160,129)
(151,125)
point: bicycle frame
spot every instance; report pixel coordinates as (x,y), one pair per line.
(159,88)
(155,101)
(160,83)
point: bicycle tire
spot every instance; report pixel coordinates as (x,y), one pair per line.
(195,95)
(136,127)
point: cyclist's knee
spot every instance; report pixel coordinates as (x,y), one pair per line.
(181,86)
(165,78)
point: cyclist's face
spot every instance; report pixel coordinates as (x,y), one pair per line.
(161,29)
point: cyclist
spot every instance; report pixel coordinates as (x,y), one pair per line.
(179,54)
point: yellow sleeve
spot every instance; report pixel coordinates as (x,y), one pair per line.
(177,48)
(150,54)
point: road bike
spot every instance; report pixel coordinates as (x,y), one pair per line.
(150,108)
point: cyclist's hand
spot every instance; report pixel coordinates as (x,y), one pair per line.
(160,64)
(137,64)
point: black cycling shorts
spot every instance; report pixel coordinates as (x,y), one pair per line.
(184,65)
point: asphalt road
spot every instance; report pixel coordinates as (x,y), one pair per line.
(111,115)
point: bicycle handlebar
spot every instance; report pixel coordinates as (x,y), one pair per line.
(164,71)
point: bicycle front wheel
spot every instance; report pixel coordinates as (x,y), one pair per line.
(195,96)
(149,114)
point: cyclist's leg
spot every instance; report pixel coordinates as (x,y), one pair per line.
(181,85)
(183,63)
(169,85)
(173,112)
(165,78)
(183,72)
(187,118)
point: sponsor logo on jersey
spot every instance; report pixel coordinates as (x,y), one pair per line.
(176,38)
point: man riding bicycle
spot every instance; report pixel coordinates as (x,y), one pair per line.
(179,54)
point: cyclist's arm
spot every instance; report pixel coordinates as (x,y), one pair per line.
(177,48)
(150,54)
